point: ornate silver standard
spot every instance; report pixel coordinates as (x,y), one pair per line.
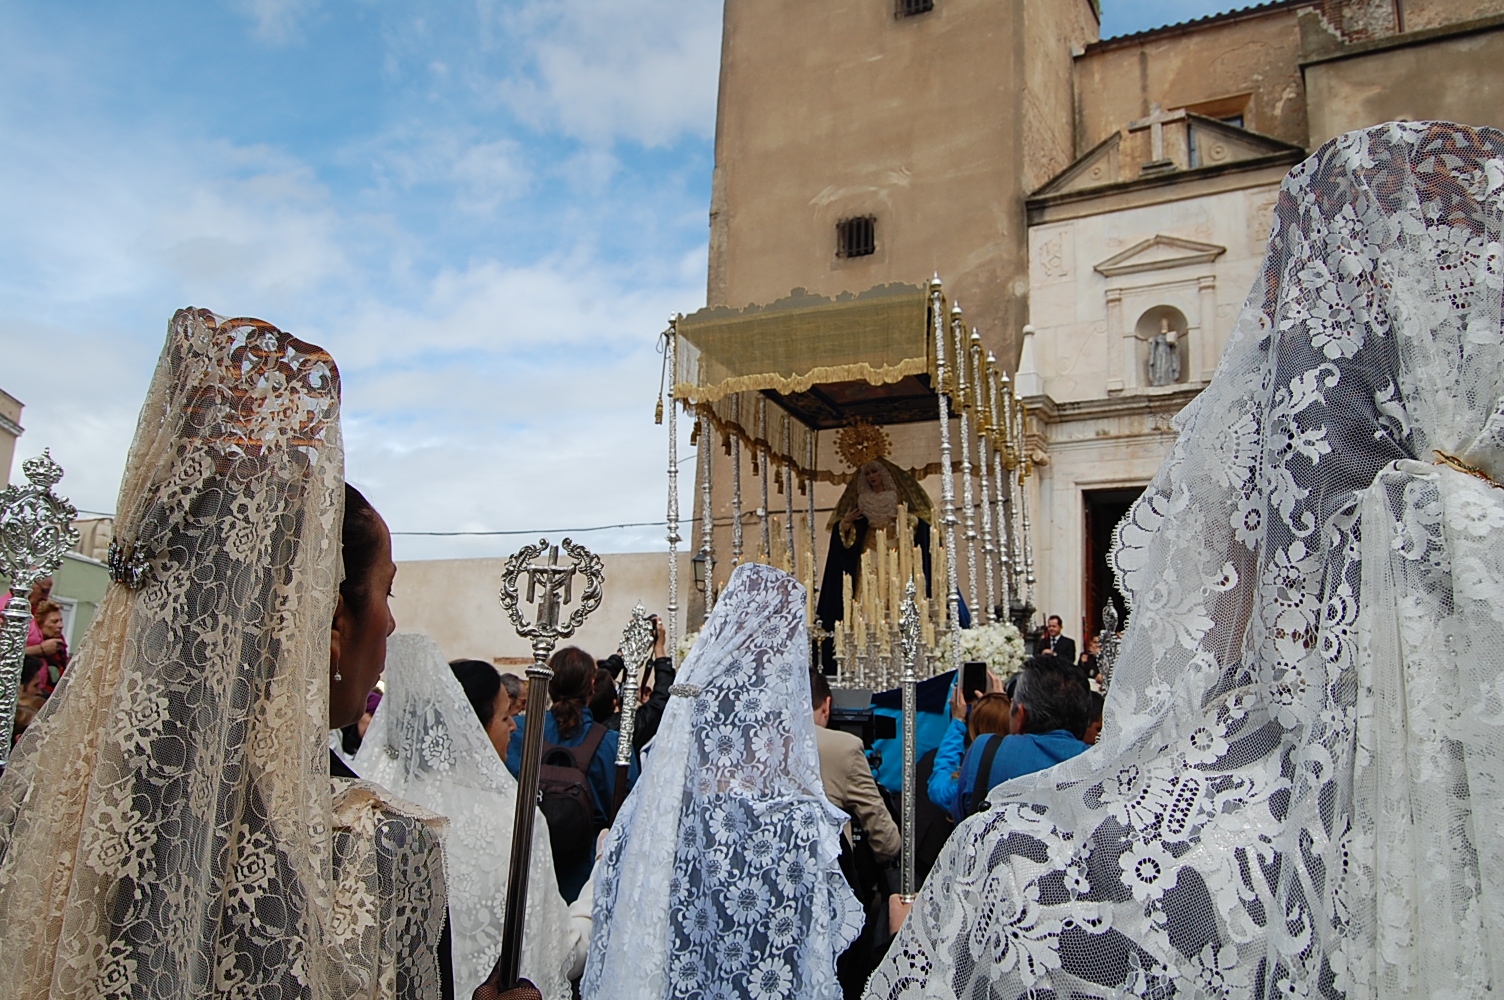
(549,588)
(909,630)
(736,483)
(36,528)
(636,644)
(672,611)
(1108,643)
(968,499)
(984,433)
(1000,504)
(947,477)
(707,514)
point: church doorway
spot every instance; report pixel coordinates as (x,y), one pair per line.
(1103,510)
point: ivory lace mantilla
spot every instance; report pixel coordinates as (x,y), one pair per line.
(168,826)
(1300,785)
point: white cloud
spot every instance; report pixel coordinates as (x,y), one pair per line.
(278,22)
(602,70)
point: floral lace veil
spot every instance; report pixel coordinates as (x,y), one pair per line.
(426,745)
(166,825)
(1299,788)
(719,877)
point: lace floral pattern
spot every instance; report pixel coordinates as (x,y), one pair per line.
(426,745)
(719,877)
(1299,786)
(184,752)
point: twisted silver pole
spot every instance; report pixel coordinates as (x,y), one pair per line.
(947,476)
(788,494)
(1000,502)
(763,473)
(736,481)
(984,417)
(909,630)
(707,513)
(968,498)
(672,611)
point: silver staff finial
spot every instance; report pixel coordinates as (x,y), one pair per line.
(36,528)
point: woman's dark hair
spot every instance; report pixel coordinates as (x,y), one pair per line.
(360,541)
(574,675)
(481,681)
(603,700)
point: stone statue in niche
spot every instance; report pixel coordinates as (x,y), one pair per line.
(1164,356)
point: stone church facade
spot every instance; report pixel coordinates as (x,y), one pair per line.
(1098,206)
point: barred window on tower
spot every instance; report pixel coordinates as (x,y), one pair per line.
(856,237)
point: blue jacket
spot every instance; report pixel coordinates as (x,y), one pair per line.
(602,770)
(1019,754)
(943,779)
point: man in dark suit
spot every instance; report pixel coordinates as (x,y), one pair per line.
(1056,645)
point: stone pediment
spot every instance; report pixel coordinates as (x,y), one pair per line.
(1158,253)
(1191,143)
(1099,166)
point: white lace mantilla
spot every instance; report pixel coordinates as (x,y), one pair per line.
(1299,791)
(427,745)
(720,877)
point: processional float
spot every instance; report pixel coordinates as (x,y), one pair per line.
(36,528)
(865,377)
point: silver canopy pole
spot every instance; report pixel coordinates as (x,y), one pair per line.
(672,611)
(736,481)
(984,430)
(968,498)
(707,512)
(1000,502)
(761,469)
(947,476)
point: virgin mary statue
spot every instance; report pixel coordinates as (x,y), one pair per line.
(867,509)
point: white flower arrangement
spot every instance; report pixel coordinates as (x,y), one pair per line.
(997,644)
(686,643)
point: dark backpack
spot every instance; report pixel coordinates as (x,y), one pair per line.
(565,797)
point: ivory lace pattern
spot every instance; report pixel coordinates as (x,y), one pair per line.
(426,744)
(167,827)
(1299,789)
(719,878)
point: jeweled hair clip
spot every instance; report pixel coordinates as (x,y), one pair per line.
(126,566)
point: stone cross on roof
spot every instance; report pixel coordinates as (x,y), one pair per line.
(1156,123)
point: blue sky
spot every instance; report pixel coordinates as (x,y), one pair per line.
(485,209)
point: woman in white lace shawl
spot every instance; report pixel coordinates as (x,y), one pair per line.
(427,745)
(167,827)
(1298,788)
(719,877)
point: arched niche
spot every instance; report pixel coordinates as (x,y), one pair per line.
(1155,330)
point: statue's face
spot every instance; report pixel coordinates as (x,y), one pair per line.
(876,481)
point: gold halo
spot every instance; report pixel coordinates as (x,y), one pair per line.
(861,442)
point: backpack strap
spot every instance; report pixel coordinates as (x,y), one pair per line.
(983,784)
(585,752)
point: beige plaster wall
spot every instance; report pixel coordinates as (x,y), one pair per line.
(455,602)
(1418,15)
(1406,82)
(918,121)
(10,429)
(1254,57)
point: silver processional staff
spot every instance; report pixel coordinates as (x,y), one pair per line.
(550,589)
(36,528)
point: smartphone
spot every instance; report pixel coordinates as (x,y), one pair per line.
(973,679)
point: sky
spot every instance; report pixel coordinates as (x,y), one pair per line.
(486,210)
